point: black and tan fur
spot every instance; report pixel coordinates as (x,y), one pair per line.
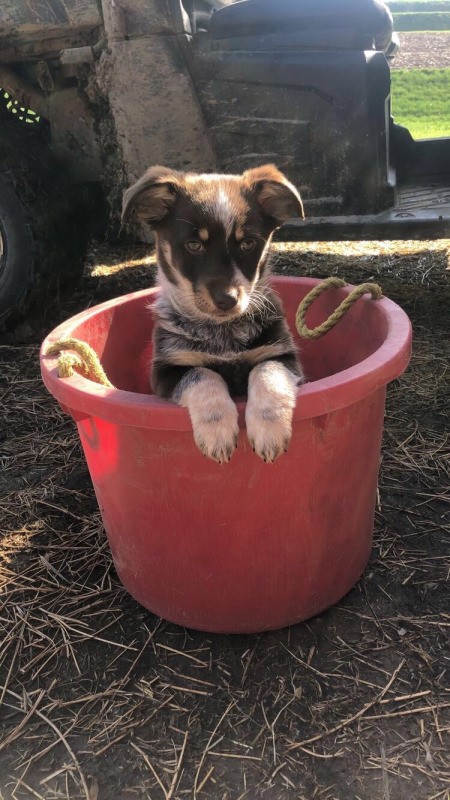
(220,330)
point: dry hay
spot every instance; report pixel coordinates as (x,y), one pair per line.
(103,701)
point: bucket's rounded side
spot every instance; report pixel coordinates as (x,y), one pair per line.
(247,546)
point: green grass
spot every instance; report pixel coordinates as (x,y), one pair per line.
(400,6)
(421,15)
(422,21)
(420,97)
(420,101)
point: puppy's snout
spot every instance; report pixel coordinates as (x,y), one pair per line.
(224,300)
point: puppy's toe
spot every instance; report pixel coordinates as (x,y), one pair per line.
(270,444)
(216,434)
(269,431)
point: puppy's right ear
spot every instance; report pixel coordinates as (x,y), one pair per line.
(152,196)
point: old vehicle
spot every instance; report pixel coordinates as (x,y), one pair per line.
(94,92)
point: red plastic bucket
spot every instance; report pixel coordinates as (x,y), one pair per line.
(245,546)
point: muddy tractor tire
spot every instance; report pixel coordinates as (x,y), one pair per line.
(43,226)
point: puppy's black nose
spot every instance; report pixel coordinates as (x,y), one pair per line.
(223,300)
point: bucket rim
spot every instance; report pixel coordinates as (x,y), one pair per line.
(83,398)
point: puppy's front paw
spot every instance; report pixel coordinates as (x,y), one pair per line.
(216,430)
(269,428)
(270,406)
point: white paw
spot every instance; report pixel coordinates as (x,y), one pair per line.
(269,429)
(216,430)
(270,406)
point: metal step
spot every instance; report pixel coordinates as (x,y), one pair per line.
(422,211)
(432,195)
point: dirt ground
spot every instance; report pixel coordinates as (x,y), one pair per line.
(101,700)
(428,50)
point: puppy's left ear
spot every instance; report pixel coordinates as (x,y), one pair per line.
(278,197)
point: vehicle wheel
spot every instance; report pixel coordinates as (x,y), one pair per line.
(18,253)
(43,227)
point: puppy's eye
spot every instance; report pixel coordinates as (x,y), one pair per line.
(246,245)
(194,246)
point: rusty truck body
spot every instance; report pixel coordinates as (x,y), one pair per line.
(93,92)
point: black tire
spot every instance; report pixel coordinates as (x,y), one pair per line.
(18,253)
(43,225)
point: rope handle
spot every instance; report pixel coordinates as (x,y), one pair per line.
(85,360)
(333,319)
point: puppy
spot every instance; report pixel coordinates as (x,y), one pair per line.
(219,329)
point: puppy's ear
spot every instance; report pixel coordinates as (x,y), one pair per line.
(152,196)
(277,197)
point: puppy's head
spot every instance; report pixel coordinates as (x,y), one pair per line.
(213,232)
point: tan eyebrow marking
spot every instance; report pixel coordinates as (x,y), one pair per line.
(204,234)
(239,233)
